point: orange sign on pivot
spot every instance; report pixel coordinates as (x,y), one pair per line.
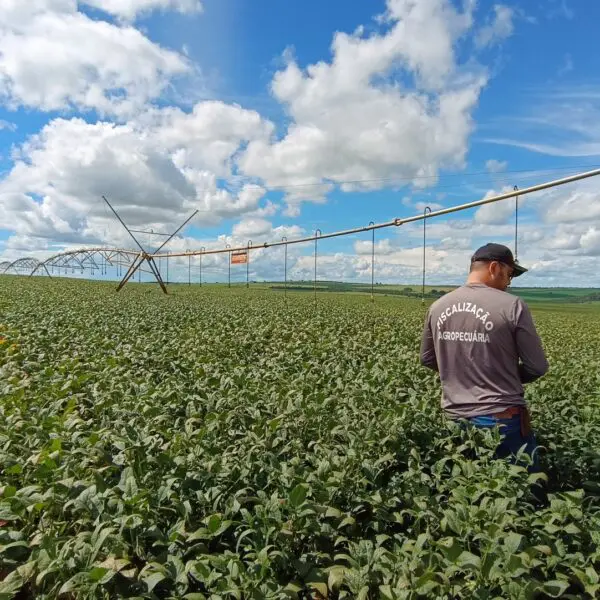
(239,257)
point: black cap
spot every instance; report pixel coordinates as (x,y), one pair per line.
(501,254)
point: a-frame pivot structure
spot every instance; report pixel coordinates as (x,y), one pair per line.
(145,256)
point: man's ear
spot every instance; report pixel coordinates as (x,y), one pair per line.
(493,269)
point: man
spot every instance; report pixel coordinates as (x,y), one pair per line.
(483,342)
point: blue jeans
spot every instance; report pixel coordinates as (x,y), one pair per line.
(512,439)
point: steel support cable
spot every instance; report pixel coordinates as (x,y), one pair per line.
(248,263)
(372,264)
(317,236)
(202,249)
(425,211)
(228,266)
(284,239)
(516,224)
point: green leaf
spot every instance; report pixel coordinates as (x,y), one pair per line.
(8,491)
(114,563)
(512,542)
(424,579)
(335,578)
(153,580)
(319,587)
(97,573)
(213,523)
(592,574)
(73,584)
(451,548)
(10,585)
(15,550)
(200,534)
(363,593)
(293,589)
(572,529)
(467,559)
(298,495)
(347,521)
(555,588)
(386,592)
(199,570)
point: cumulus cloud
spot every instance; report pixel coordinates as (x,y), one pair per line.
(382,247)
(496,213)
(590,242)
(209,137)
(156,171)
(53,57)
(130,9)
(357,122)
(251,227)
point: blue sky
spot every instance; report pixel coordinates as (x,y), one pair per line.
(279,118)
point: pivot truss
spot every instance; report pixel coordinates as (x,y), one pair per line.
(86,260)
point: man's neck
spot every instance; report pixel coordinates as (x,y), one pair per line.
(474,280)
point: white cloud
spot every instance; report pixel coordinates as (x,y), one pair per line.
(382,247)
(455,243)
(496,213)
(53,58)
(496,166)
(559,122)
(397,264)
(251,227)
(261,231)
(567,65)
(578,203)
(8,126)
(421,206)
(555,253)
(156,171)
(356,118)
(500,28)
(209,137)
(130,9)
(387,109)
(560,9)
(590,242)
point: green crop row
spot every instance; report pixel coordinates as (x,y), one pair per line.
(236,444)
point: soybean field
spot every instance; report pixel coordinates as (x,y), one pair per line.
(243,444)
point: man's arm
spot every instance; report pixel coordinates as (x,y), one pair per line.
(529,346)
(428,358)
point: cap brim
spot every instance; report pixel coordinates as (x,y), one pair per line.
(518,270)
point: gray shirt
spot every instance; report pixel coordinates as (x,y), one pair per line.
(484,344)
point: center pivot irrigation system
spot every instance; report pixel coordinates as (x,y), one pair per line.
(143,261)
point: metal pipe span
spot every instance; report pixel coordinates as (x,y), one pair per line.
(397,222)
